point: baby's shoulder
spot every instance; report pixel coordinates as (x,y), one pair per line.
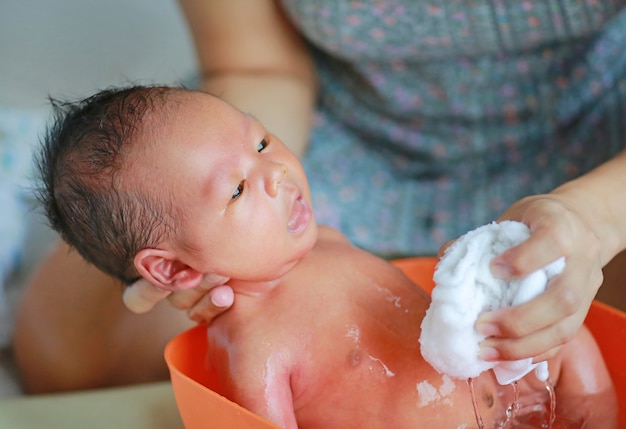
(578,361)
(327,234)
(333,245)
(341,259)
(248,344)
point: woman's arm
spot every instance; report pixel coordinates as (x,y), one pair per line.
(250,55)
(583,220)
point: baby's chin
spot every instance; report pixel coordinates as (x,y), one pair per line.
(305,243)
(274,268)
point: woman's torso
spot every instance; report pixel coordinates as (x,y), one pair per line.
(434,116)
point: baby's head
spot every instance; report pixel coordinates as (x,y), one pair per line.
(83,162)
(168,184)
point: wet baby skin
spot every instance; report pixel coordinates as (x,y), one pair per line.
(338,348)
(321,334)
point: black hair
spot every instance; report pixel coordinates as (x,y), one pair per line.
(80,165)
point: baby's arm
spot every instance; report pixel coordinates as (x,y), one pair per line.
(584,388)
(257,377)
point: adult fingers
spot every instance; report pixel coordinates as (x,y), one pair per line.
(212,304)
(539,326)
(141,296)
(547,243)
(533,346)
(525,258)
(187,298)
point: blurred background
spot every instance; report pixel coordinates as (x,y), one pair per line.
(65,49)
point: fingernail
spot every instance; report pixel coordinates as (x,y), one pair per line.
(500,269)
(488,353)
(222,297)
(488,329)
(218,300)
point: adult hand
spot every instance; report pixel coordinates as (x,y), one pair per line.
(538,328)
(202,303)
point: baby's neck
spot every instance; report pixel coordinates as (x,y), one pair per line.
(265,287)
(253,288)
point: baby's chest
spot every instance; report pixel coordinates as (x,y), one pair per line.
(359,364)
(354,374)
(360,389)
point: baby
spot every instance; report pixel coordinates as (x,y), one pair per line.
(170,184)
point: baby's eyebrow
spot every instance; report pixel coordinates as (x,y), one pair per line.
(254,119)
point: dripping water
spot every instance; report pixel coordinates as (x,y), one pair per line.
(512,410)
(479,420)
(552,405)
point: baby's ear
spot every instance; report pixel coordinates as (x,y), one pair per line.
(164,270)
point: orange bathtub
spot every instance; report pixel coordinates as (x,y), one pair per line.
(202,407)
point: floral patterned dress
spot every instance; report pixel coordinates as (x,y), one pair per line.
(434,116)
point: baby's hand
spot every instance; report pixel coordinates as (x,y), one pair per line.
(202,303)
(539,327)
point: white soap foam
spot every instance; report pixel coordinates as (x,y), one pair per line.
(464,288)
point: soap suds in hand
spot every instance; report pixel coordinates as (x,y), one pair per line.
(464,288)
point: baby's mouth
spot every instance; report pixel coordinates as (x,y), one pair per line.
(299,217)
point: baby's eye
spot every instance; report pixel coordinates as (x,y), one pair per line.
(262,145)
(237,192)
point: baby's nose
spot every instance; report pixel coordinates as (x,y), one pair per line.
(276,176)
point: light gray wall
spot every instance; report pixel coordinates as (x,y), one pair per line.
(70,47)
